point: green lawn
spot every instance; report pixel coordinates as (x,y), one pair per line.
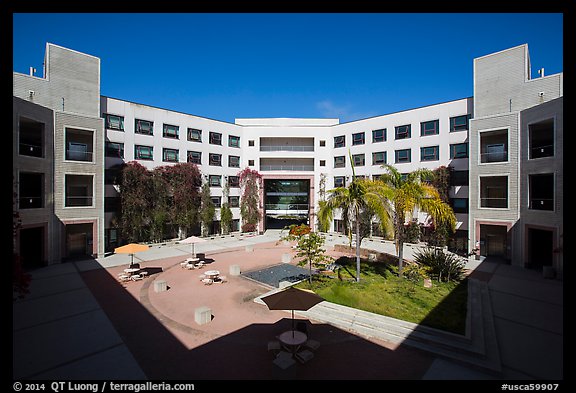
(381,291)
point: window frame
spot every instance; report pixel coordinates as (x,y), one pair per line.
(384,158)
(435,156)
(189,158)
(343,181)
(138,157)
(360,155)
(462,127)
(210,161)
(233,137)
(435,130)
(219,183)
(376,140)
(453,153)
(342,165)
(166,150)
(166,133)
(397,153)
(212,138)
(408,131)
(107,122)
(337,141)
(107,149)
(230,162)
(189,133)
(361,140)
(138,127)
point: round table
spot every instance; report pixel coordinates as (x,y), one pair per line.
(192,260)
(131,271)
(293,338)
(212,274)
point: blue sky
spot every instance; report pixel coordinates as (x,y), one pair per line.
(348,66)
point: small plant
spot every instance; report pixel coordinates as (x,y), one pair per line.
(416,272)
(248,227)
(441,265)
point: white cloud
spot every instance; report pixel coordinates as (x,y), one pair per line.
(345,113)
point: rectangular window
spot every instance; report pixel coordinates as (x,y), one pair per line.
(403,132)
(216,200)
(79,145)
(114,122)
(430,128)
(376,177)
(459,150)
(494,146)
(402,156)
(379,158)
(169,155)
(322,162)
(114,149)
(215,181)
(359,159)
(322,143)
(339,181)
(30,190)
(459,178)
(339,141)
(494,192)
(215,159)
(358,139)
(194,135)
(170,131)
(143,152)
(234,201)
(541,192)
(233,181)
(195,157)
(429,153)
(459,123)
(340,162)
(251,143)
(31,138)
(234,161)
(339,226)
(233,141)
(215,138)
(250,162)
(541,139)
(144,127)
(78,190)
(379,135)
(459,205)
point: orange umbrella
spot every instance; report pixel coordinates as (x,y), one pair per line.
(131,249)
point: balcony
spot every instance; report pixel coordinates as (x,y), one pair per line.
(79,145)
(286,148)
(494,146)
(287,144)
(290,165)
(31,138)
(287,208)
(541,139)
(79,191)
(31,190)
(494,192)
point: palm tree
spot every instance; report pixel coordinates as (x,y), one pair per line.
(408,192)
(361,194)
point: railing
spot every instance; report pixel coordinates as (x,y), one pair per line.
(30,150)
(286,148)
(494,202)
(303,168)
(498,156)
(73,201)
(74,155)
(30,202)
(541,204)
(542,151)
(287,206)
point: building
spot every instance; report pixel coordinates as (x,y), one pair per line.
(299,158)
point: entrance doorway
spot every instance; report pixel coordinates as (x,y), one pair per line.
(494,242)
(78,241)
(32,247)
(540,248)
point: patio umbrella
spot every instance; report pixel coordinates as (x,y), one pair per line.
(131,249)
(192,240)
(292,299)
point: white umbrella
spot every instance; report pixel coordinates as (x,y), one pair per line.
(192,240)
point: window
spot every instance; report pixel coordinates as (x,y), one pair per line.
(379,158)
(429,153)
(235,225)
(541,192)
(111,204)
(379,135)
(233,181)
(234,161)
(459,205)
(143,152)
(358,159)
(233,141)
(78,190)
(322,162)
(114,149)
(541,139)
(30,190)
(339,226)
(459,150)
(216,200)
(494,146)
(170,131)
(31,138)
(340,162)
(79,145)
(403,132)
(494,191)
(459,123)
(339,181)
(234,201)
(169,155)
(429,128)
(251,143)
(215,138)
(195,157)
(215,180)
(376,177)
(250,162)
(402,156)
(339,141)
(194,135)
(144,127)
(358,139)
(215,159)
(459,178)
(322,143)
(112,175)
(360,177)
(114,122)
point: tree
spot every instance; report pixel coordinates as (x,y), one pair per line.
(250,182)
(225,211)
(207,209)
(158,206)
(184,180)
(361,194)
(135,190)
(309,247)
(408,192)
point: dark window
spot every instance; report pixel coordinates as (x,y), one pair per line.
(376,177)
(541,139)
(359,159)
(430,128)
(216,200)
(339,181)
(322,162)
(114,122)
(234,201)
(78,190)
(215,138)
(459,205)
(114,149)
(215,159)
(195,157)
(143,152)
(251,142)
(250,162)
(339,141)
(170,155)
(403,132)
(112,175)
(379,158)
(322,143)
(494,146)
(31,190)
(429,153)
(402,156)
(79,145)
(170,131)
(379,135)
(234,161)
(31,141)
(194,135)
(215,180)
(494,191)
(144,127)
(111,204)
(233,141)
(233,181)
(459,123)
(358,138)
(340,162)
(459,178)
(339,226)
(459,150)
(541,191)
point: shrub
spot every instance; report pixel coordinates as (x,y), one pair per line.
(299,230)
(441,265)
(415,272)
(248,227)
